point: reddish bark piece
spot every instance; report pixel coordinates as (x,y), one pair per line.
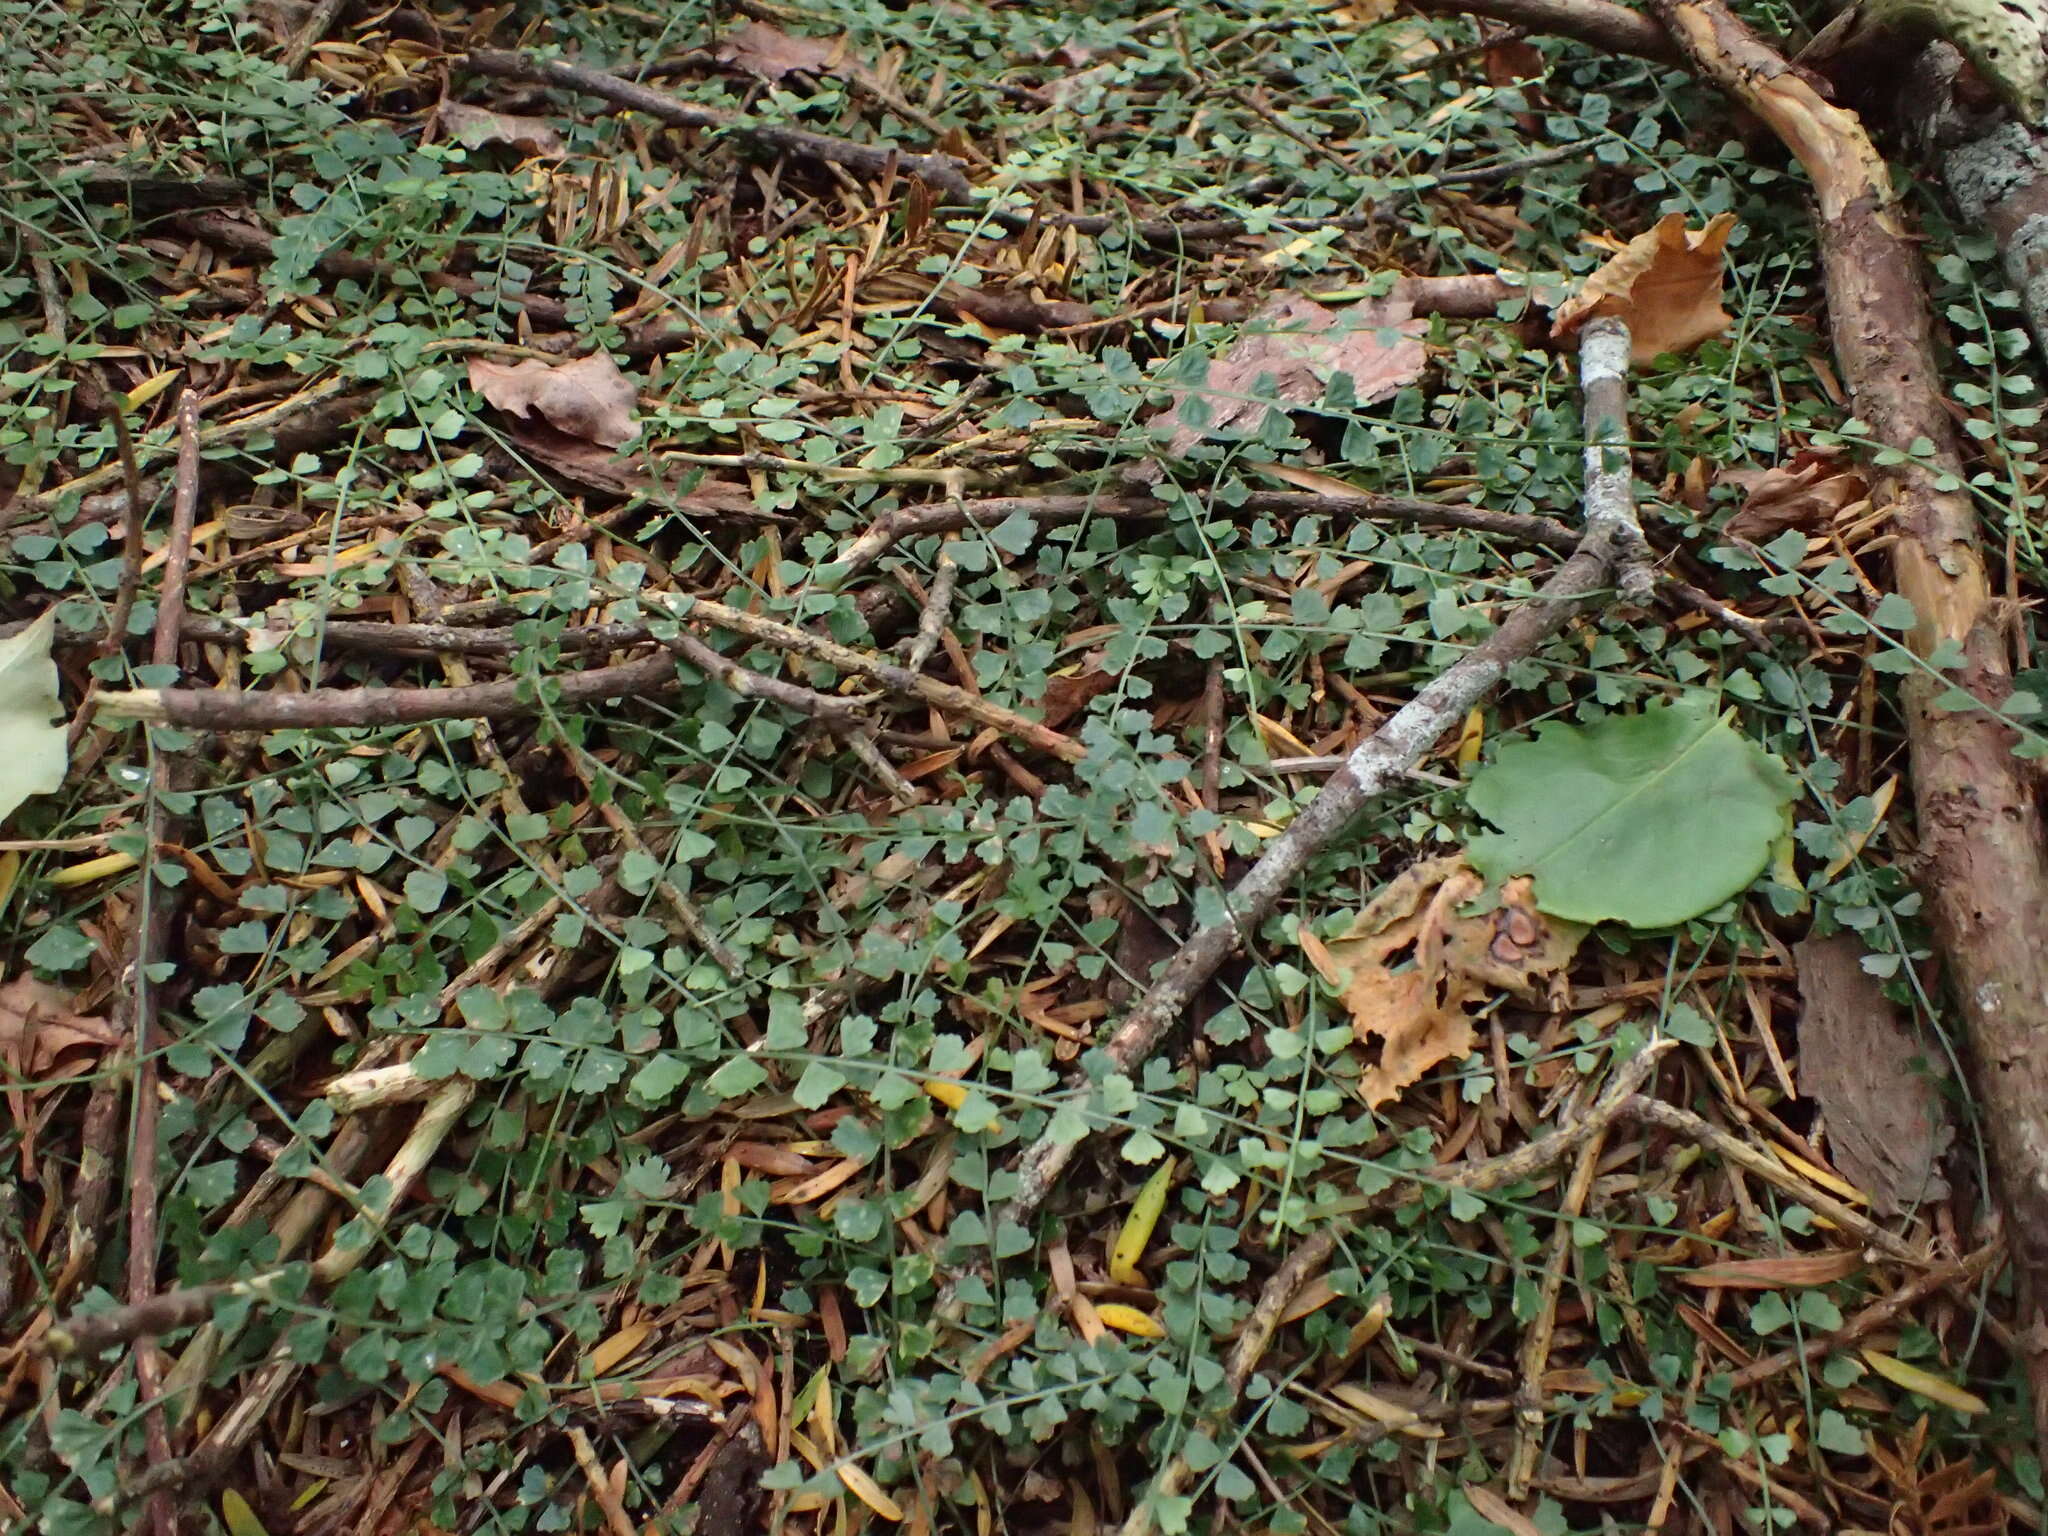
(1884,1118)
(1980,823)
(1301,346)
(588,398)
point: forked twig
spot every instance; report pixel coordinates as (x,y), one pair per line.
(1372,768)
(1313,1252)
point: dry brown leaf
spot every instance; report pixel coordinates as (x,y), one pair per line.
(1806,492)
(1067,694)
(1792,1269)
(476,127)
(1512,60)
(616,474)
(1666,283)
(1885,1120)
(1301,346)
(1488,1505)
(588,398)
(771,53)
(42,1038)
(1414,970)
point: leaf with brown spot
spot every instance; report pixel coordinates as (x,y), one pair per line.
(1414,970)
(588,398)
(1808,491)
(772,53)
(1666,283)
(1299,346)
(477,127)
(1885,1120)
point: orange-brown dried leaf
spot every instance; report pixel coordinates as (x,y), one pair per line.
(1511,61)
(771,53)
(588,398)
(1413,969)
(1806,492)
(1793,1269)
(1301,346)
(1666,283)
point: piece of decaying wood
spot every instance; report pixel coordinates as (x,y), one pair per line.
(1980,825)
(1856,1060)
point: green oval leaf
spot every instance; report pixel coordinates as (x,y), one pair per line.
(1643,819)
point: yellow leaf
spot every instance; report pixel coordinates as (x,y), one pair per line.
(946,1091)
(91,869)
(614,1349)
(1379,1409)
(1471,737)
(868,1491)
(1138,1227)
(1880,805)
(239,1518)
(1925,1384)
(1666,283)
(1123,1319)
(140,396)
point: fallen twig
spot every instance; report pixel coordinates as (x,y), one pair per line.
(1313,1252)
(310,34)
(1610,28)
(1051,511)
(346,708)
(941,172)
(152,943)
(231,1433)
(1610,471)
(269,419)
(1688,1126)
(1980,822)
(1381,761)
(1536,1338)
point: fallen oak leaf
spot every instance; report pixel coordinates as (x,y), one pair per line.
(42,1037)
(1808,491)
(42,1041)
(1413,969)
(588,398)
(1666,283)
(600,469)
(478,126)
(768,51)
